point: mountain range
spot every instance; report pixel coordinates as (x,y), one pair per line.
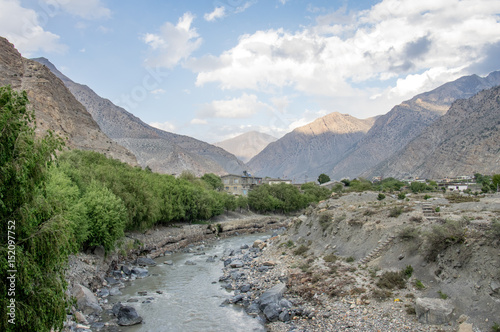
(162,151)
(404,122)
(449,131)
(55,106)
(466,140)
(309,150)
(318,148)
(247,145)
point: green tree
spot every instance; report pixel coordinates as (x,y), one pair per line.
(314,192)
(323,178)
(495,179)
(417,187)
(40,236)
(346,182)
(213,181)
(106,216)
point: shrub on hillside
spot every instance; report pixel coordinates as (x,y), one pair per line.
(443,236)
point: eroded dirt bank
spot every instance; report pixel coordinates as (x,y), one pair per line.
(361,264)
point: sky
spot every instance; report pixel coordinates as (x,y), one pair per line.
(215,69)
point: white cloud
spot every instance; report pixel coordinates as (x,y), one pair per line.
(167,126)
(173,44)
(158,92)
(242,107)
(197,121)
(280,103)
(219,12)
(423,44)
(103,29)
(88,9)
(23,27)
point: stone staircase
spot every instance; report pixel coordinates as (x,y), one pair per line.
(383,245)
(430,212)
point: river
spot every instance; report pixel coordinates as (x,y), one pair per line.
(191,294)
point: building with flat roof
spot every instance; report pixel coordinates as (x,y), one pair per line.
(240,184)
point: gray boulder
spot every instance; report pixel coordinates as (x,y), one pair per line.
(115,291)
(433,311)
(272,312)
(272,295)
(128,316)
(86,300)
(236,264)
(145,261)
(116,308)
(103,292)
(140,272)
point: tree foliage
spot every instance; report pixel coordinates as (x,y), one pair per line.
(323,178)
(42,237)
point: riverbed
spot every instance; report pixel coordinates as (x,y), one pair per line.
(184,297)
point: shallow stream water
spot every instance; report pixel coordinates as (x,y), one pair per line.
(191,294)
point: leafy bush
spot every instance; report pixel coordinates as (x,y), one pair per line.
(407,271)
(106,215)
(392,279)
(409,233)
(395,212)
(442,236)
(314,192)
(461,199)
(402,195)
(442,295)
(381,197)
(417,187)
(330,258)
(419,284)
(301,250)
(349,259)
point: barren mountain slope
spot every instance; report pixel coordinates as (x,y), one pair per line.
(247,145)
(392,131)
(462,142)
(55,107)
(162,151)
(312,149)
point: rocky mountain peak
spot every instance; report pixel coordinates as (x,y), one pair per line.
(55,107)
(162,151)
(246,145)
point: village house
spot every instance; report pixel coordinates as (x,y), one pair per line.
(240,184)
(271,181)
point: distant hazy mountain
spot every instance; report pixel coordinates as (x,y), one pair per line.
(392,131)
(55,107)
(310,150)
(464,141)
(247,145)
(162,151)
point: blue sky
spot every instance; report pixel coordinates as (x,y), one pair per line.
(216,69)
